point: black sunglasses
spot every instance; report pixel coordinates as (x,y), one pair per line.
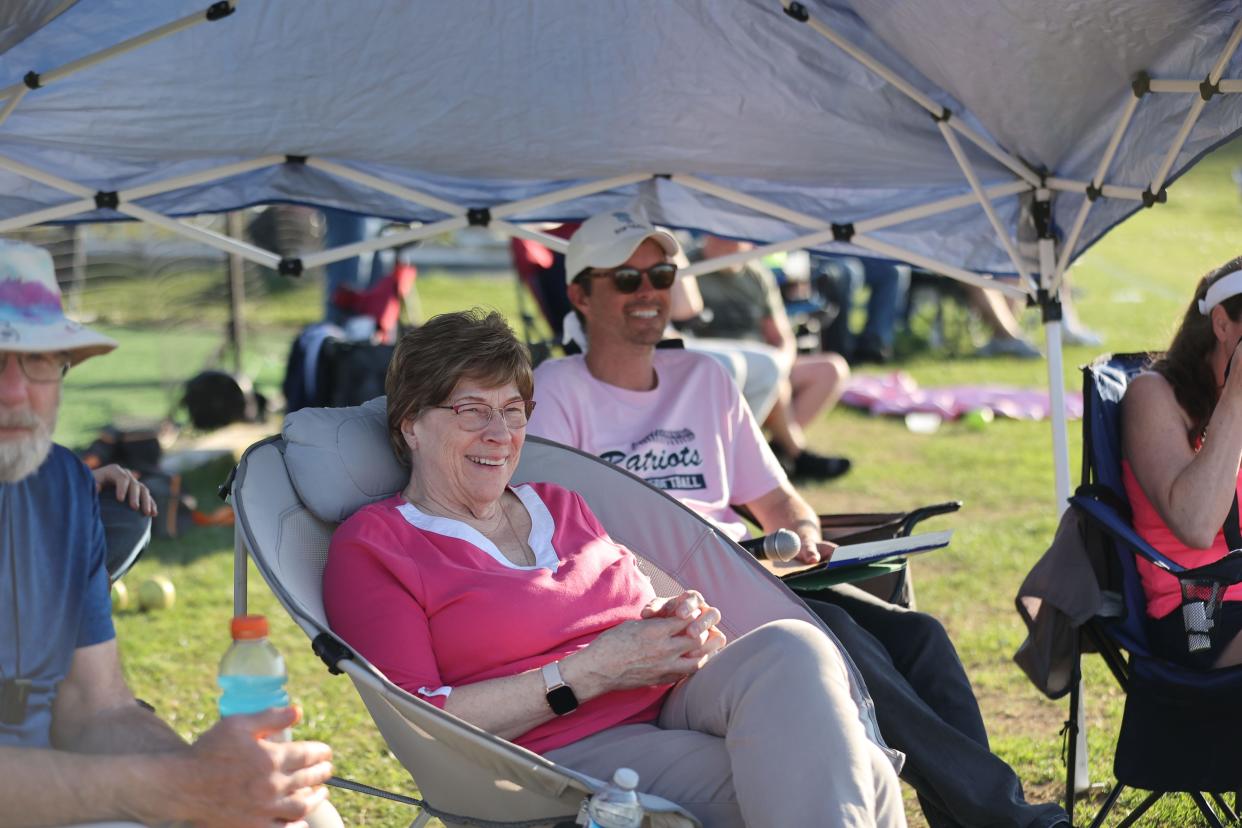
(629,279)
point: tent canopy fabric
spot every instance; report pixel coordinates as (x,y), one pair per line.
(482,103)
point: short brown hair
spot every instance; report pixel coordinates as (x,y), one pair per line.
(430,360)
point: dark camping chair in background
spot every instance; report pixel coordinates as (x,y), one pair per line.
(1180,731)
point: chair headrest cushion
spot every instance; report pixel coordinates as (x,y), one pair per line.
(339,458)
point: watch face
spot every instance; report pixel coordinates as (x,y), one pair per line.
(562,700)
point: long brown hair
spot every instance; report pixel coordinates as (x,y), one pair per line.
(1187,364)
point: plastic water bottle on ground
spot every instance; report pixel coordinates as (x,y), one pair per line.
(252,673)
(617,806)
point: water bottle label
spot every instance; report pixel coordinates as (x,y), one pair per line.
(251,694)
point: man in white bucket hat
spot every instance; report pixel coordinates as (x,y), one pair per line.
(75,746)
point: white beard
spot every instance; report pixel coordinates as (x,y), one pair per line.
(21,458)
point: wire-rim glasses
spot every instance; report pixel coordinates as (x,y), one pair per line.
(474,416)
(39,366)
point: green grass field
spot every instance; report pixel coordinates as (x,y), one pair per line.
(1131,287)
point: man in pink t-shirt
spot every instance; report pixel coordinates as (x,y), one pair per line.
(676,419)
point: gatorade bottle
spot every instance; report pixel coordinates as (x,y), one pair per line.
(252,673)
(617,806)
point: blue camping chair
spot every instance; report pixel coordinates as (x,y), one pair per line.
(1181,726)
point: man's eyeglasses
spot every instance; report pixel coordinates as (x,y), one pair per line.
(629,279)
(477,416)
(38,367)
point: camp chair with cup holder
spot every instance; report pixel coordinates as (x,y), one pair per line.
(291,491)
(1180,729)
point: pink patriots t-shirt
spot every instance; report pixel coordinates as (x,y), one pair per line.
(691,435)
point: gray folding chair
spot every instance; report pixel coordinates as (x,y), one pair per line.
(290,493)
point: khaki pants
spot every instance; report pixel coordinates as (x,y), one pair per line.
(766,734)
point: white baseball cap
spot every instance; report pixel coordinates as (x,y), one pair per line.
(608,239)
(31,316)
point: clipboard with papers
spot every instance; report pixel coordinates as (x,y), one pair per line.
(861,555)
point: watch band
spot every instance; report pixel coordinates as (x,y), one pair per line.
(559,695)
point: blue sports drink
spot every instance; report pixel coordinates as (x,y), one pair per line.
(252,673)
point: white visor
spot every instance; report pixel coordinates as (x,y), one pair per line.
(1221,289)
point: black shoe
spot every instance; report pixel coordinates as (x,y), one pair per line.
(811,466)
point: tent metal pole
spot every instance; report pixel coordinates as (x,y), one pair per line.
(1069,185)
(944,205)
(203,177)
(52,75)
(1100,171)
(968,170)
(1196,108)
(60,211)
(387,187)
(931,208)
(53,181)
(1193,86)
(720,262)
(348,251)
(518,231)
(12,103)
(986,282)
(215,240)
(1050,308)
(759,205)
(210,238)
(512,208)
(915,95)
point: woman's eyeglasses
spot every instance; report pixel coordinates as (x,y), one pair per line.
(473,416)
(629,279)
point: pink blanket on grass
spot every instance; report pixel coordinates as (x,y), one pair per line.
(898,393)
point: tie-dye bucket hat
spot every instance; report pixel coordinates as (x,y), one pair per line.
(31,315)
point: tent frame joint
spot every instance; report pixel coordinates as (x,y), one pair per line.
(1208,89)
(32,79)
(843,232)
(1151,199)
(798,12)
(1141,84)
(479,216)
(296,159)
(219,10)
(943,116)
(1093,192)
(1049,303)
(107,200)
(290,266)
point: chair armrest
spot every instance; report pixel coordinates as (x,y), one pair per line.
(1111,521)
(917,516)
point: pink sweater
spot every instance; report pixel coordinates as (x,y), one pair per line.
(1164,592)
(434,604)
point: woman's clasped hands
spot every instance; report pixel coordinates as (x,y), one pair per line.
(673,639)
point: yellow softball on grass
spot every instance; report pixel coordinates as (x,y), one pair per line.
(156,593)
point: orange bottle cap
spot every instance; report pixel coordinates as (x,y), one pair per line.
(249,627)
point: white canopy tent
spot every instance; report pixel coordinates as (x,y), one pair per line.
(992,142)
